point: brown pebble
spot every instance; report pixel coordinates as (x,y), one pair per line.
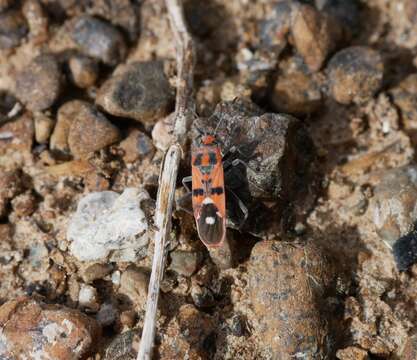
(65,117)
(296,91)
(136,146)
(285,282)
(44,125)
(134,284)
(163,133)
(355,74)
(96,182)
(184,262)
(315,35)
(38,85)
(84,71)
(37,20)
(139,90)
(90,131)
(61,333)
(96,271)
(128,318)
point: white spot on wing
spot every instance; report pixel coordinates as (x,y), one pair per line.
(210,220)
(208,200)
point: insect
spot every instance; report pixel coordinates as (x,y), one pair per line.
(209,191)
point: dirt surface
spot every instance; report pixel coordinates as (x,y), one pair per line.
(323,269)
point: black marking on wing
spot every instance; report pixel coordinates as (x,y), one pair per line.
(217,190)
(212,158)
(198,160)
(210,234)
(198,192)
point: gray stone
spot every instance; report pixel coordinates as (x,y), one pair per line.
(38,85)
(110,227)
(134,284)
(139,91)
(184,262)
(98,39)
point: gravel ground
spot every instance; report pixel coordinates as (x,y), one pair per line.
(318,98)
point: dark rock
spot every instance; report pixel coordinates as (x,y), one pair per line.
(13,29)
(237,325)
(98,39)
(121,13)
(84,71)
(38,85)
(61,333)
(90,131)
(296,91)
(139,91)
(202,296)
(286,282)
(315,35)
(355,74)
(7,105)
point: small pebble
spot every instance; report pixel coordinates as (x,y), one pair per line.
(38,85)
(352,353)
(37,20)
(115,278)
(108,226)
(128,318)
(90,131)
(355,74)
(315,35)
(84,71)
(184,263)
(95,272)
(87,297)
(13,29)
(107,315)
(202,296)
(163,133)
(44,125)
(65,116)
(9,106)
(139,90)
(134,284)
(136,146)
(61,333)
(96,182)
(295,91)
(285,283)
(99,39)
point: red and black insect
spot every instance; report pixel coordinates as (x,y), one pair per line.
(208,191)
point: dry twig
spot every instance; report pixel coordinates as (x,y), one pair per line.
(184,108)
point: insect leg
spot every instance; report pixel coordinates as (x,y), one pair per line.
(242,208)
(185,180)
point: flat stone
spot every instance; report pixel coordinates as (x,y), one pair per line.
(84,71)
(139,91)
(38,85)
(61,333)
(98,39)
(134,284)
(184,262)
(110,227)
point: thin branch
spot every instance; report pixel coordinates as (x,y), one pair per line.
(184,110)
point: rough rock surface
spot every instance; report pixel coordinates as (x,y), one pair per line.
(31,329)
(109,226)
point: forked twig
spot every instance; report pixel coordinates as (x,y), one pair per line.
(184,110)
